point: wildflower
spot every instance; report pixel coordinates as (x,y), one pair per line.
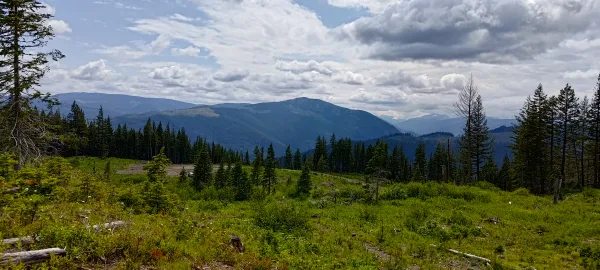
(509,202)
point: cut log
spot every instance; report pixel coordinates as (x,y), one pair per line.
(470,256)
(13,241)
(31,257)
(109,226)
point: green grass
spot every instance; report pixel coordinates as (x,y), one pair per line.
(412,225)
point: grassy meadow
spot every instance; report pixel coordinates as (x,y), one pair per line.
(339,226)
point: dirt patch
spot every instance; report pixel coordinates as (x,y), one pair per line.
(172,170)
(381,254)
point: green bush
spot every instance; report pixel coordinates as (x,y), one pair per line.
(367,214)
(284,216)
(393,192)
(590,257)
(521,192)
(486,185)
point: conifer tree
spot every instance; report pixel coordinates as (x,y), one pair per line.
(394,167)
(437,163)
(202,171)
(303,186)
(156,170)
(322,164)
(247,158)
(489,171)
(241,184)
(256,166)
(421,160)
(531,143)
(465,108)
(221,176)
(24,31)
(594,133)
(481,143)
(582,138)
(269,177)
(567,114)
(288,159)
(504,175)
(297,160)
(183,175)
(377,166)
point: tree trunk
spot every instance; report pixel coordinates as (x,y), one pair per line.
(16,92)
(564,155)
(551,145)
(582,162)
(31,257)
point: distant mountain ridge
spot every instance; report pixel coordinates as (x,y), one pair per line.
(442,123)
(295,122)
(115,105)
(501,135)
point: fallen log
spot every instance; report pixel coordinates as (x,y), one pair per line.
(31,257)
(109,226)
(13,241)
(470,256)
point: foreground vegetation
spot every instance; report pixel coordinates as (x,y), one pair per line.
(338,225)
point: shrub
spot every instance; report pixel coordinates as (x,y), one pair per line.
(282,216)
(394,192)
(590,257)
(486,185)
(521,192)
(367,214)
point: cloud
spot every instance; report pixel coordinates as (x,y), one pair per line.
(582,45)
(230,76)
(578,74)
(453,81)
(350,77)
(399,78)
(170,72)
(188,51)
(59,27)
(380,97)
(127,52)
(483,30)
(374,6)
(94,70)
(235,37)
(159,44)
(297,67)
(180,17)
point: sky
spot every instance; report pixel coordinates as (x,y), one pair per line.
(398,58)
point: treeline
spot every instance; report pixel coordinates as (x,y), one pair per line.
(393,164)
(557,141)
(99,138)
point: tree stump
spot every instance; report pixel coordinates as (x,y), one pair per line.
(236,242)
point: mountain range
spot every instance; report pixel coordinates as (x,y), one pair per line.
(295,122)
(116,105)
(442,123)
(501,135)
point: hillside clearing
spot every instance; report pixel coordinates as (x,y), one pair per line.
(338,227)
